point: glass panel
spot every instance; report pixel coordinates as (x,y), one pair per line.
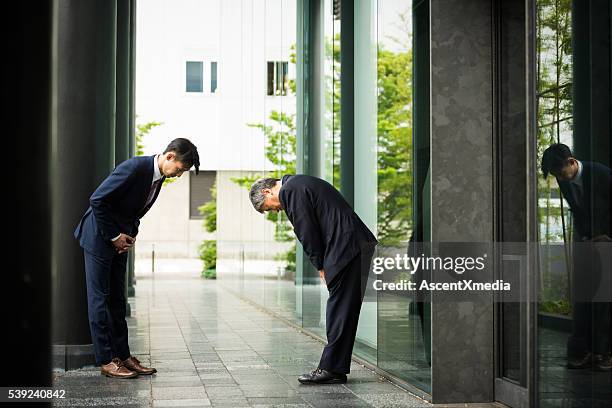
(327,165)
(573,95)
(213,77)
(194,76)
(366,181)
(280,279)
(398,214)
(256,253)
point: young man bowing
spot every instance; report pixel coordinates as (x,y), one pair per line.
(106,232)
(340,247)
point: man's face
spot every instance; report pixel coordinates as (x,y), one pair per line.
(271,202)
(567,172)
(172,167)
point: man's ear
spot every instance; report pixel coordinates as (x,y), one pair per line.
(170,155)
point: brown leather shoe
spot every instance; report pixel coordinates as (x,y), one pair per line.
(116,369)
(133,364)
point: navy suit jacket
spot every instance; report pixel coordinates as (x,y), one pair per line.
(117,206)
(330,232)
(592,210)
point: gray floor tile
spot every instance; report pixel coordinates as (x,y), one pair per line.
(213,349)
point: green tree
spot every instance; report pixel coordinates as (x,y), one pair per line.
(208,248)
(280,151)
(554,119)
(394,146)
(143,130)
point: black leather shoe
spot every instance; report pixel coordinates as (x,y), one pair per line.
(602,362)
(575,363)
(320,376)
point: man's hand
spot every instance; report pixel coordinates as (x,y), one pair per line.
(322,275)
(123,243)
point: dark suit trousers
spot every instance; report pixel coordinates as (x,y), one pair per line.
(346,293)
(105,279)
(591,319)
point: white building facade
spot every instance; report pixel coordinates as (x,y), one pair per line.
(207,69)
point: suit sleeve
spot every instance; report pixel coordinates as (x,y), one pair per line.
(306,227)
(107,193)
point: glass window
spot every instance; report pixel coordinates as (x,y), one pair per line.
(213,77)
(277,74)
(400,183)
(574,216)
(194,76)
(200,191)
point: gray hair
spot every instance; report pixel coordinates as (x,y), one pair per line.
(256,194)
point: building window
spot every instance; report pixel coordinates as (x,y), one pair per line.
(194,76)
(277,77)
(213,77)
(199,191)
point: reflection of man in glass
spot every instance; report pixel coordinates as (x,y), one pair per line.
(586,186)
(339,245)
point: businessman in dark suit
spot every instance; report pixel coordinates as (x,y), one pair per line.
(587,188)
(340,247)
(106,232)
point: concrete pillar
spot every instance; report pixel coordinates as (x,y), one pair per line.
(132,121)
(461,194)
(85,151)
(122,118)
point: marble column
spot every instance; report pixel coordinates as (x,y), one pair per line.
(461,176)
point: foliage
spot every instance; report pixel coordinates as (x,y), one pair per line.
(394,158)
(208,248)
(280,147)
(554,91)
(209,274)
(394,146)
(141,131)
(555,125)
(208,254)
(560,307)
(209,211)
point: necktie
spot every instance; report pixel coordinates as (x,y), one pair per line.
(152,191)
(577,190)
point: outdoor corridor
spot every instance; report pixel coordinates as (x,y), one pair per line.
(213,349)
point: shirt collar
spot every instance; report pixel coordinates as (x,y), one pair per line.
(156,173)
(578,178)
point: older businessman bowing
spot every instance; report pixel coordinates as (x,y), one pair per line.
(340,247)
(106,232)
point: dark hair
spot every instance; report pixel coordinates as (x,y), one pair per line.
(555,158)
(185,152)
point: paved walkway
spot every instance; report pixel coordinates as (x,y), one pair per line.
(212,349)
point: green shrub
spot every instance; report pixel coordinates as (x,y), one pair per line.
(208,255)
